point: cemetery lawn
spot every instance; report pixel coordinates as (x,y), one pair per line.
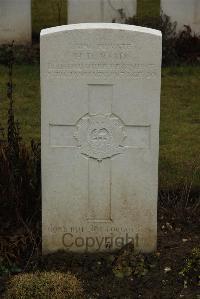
(149,8)
(45,13)
(179,126)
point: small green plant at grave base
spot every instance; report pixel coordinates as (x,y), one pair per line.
(191,270)
(6,269)
(129,263)
(44,285)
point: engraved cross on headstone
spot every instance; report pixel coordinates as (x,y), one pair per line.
(100,136)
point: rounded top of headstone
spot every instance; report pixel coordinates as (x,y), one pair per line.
(96,26)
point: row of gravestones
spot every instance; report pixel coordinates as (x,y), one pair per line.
(15,15)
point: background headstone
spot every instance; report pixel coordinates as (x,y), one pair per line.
(86,11)
(184,12)
(100,136)
(15,21)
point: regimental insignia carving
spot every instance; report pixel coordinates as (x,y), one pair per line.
(100,136)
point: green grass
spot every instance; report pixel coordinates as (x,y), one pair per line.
(180,119)
(148,8)
(180,126)
(45,14)
(26,97)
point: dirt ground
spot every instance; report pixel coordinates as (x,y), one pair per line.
(125,275)
(162,280)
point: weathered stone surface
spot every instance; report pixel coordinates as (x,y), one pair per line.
(184,12)
(86,11)
(15,21)
(100,136)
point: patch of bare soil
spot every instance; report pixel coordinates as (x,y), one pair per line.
(127,275)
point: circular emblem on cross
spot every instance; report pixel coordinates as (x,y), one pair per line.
(100,136)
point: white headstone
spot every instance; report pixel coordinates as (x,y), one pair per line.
(184,12)
(100,136)
(15,21)
(86,11)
